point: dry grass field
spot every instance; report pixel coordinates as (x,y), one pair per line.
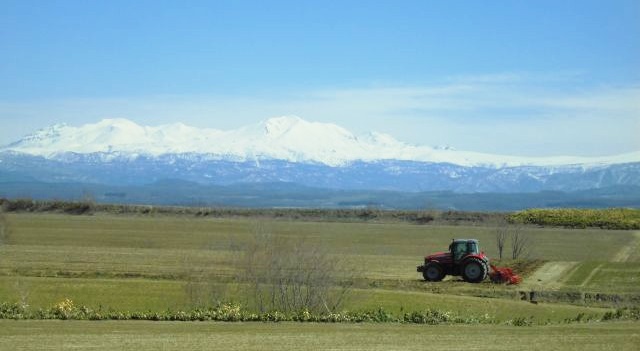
(146,263)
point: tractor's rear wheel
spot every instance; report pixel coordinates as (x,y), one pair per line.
(474,270)
(433,272)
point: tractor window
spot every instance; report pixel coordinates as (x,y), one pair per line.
(459,250)
(472,247)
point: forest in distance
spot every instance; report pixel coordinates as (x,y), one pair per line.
(288,195)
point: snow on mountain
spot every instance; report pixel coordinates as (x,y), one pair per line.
(287,138)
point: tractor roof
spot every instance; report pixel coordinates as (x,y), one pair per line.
(464,240)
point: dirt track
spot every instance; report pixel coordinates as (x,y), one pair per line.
(625,253)
(550,275)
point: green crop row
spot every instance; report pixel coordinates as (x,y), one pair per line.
(67,310)
(614,218)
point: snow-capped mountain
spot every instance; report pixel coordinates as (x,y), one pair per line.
(287,138)
(285,150)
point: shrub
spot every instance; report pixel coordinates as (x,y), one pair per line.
(520,322)
(430,317)
(623,314)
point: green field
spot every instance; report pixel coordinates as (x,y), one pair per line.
(146,263)
(49,245)
(54,335)
(160,295)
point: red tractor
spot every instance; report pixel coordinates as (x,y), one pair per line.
(462,259)
(465,259)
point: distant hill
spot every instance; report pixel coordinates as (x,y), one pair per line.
(257,195)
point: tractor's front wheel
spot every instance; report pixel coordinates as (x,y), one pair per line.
(433,272)
(474,271)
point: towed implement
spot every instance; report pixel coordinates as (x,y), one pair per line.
(503,275)
(465,259)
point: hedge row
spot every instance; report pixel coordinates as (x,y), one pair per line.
(230,313)
(614,218)
(313,214)
(67,310)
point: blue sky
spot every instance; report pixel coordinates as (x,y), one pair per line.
(525,78)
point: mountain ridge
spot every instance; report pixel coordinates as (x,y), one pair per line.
(286,138)
(395,175)
(290,151)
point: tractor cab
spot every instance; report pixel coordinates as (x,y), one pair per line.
(460,248)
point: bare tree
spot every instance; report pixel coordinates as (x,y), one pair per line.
(4,228)
(292,274)
(204,287)
(502,232)
(23,289)
(521,243)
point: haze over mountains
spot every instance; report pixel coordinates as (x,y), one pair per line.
(297,154)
